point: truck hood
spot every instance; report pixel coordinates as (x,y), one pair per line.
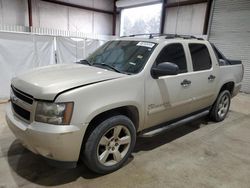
(46,82)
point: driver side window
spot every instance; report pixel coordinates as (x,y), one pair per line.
(173,53)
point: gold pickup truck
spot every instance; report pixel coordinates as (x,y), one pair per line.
(93,110)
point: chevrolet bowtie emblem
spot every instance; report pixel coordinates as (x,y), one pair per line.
(14,99)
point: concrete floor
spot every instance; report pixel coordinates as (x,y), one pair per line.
(200,154)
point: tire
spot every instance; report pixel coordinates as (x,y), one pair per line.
(110,144)
(221,106)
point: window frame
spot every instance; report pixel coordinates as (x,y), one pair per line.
(185,53)
(136,6)
(191,60)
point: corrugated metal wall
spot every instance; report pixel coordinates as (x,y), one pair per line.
(230,31)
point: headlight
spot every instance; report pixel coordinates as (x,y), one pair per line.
(54,113)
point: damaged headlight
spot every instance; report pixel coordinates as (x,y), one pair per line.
(54,113)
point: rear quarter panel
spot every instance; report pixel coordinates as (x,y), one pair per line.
(231,73)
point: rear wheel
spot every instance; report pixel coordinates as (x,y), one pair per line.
(221,106)
(110,144)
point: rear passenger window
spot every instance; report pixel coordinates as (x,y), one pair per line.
(200,57)
(173,53)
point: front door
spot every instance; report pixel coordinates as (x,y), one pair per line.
(168,97)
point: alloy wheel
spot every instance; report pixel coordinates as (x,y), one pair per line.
(114,145)
(223,106)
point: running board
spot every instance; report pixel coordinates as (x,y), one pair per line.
(174,125)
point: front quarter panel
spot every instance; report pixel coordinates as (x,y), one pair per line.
(91,100)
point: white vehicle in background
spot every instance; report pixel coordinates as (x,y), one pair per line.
(95,109)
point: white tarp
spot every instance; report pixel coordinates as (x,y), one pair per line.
(70,50)
(91,45)
(22,52)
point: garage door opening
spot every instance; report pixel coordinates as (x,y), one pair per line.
(140,20)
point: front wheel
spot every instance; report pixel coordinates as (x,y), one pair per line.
(221,106)
(110,144)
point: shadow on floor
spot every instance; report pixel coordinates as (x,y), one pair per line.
(150,143)
(34,169)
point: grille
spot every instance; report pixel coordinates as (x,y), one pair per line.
(21,112)
(23,96)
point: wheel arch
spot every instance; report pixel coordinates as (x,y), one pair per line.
(228,86)
(129,111)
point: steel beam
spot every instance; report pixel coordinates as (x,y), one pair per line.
(163,16)
(78,6)
(114,18)
(183,3)
(207,16)
(30,14)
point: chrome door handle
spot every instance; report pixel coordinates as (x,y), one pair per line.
(211,77)
(186,83)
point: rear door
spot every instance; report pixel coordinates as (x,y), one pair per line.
(169,97)
(204,76)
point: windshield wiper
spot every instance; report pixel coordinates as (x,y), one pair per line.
(85,61)
(109,66)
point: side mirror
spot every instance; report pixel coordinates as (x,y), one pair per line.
(164,69)
(222,62)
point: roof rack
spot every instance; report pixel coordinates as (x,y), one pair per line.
(150,35)
(167,36)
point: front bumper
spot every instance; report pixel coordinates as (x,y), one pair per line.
(59,143)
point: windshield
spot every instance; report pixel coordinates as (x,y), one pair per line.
(122,56)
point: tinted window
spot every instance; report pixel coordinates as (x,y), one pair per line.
(200,57)
(173,53)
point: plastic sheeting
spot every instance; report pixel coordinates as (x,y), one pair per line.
(22,52)
(70,50)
